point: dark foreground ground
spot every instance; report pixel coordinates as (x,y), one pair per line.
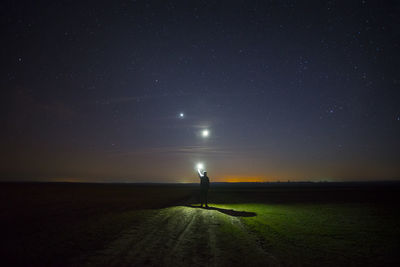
(56,224)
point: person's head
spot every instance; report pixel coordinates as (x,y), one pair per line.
(205,173)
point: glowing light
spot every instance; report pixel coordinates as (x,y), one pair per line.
(200,166)
(181,115)
(205,133)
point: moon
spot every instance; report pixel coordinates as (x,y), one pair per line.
(205,133)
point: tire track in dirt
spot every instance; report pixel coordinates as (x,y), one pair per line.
(184,236)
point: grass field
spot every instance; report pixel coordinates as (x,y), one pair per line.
(124,225)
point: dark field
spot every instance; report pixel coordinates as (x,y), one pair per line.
(293,224)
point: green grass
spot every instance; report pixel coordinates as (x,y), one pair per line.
(60,224)
(328,234)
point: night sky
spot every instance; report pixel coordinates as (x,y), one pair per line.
(288,90)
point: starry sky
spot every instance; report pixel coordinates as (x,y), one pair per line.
(288,90)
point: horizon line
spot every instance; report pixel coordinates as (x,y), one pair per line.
(196,183)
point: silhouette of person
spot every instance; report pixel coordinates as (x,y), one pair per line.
(204,185)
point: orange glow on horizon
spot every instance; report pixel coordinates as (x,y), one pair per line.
(245,179)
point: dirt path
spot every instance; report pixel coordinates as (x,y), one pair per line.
(184,236)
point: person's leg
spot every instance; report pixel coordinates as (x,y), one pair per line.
(201,198)
(206,197)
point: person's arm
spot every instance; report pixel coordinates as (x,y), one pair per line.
(201,175)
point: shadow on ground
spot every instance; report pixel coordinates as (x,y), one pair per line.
(226,211)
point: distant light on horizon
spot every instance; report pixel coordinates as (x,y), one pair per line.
(205,133)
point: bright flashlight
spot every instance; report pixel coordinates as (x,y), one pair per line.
(200,166)
(181,115)
(205,133)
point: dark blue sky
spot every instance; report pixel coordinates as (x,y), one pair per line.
(289,90)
